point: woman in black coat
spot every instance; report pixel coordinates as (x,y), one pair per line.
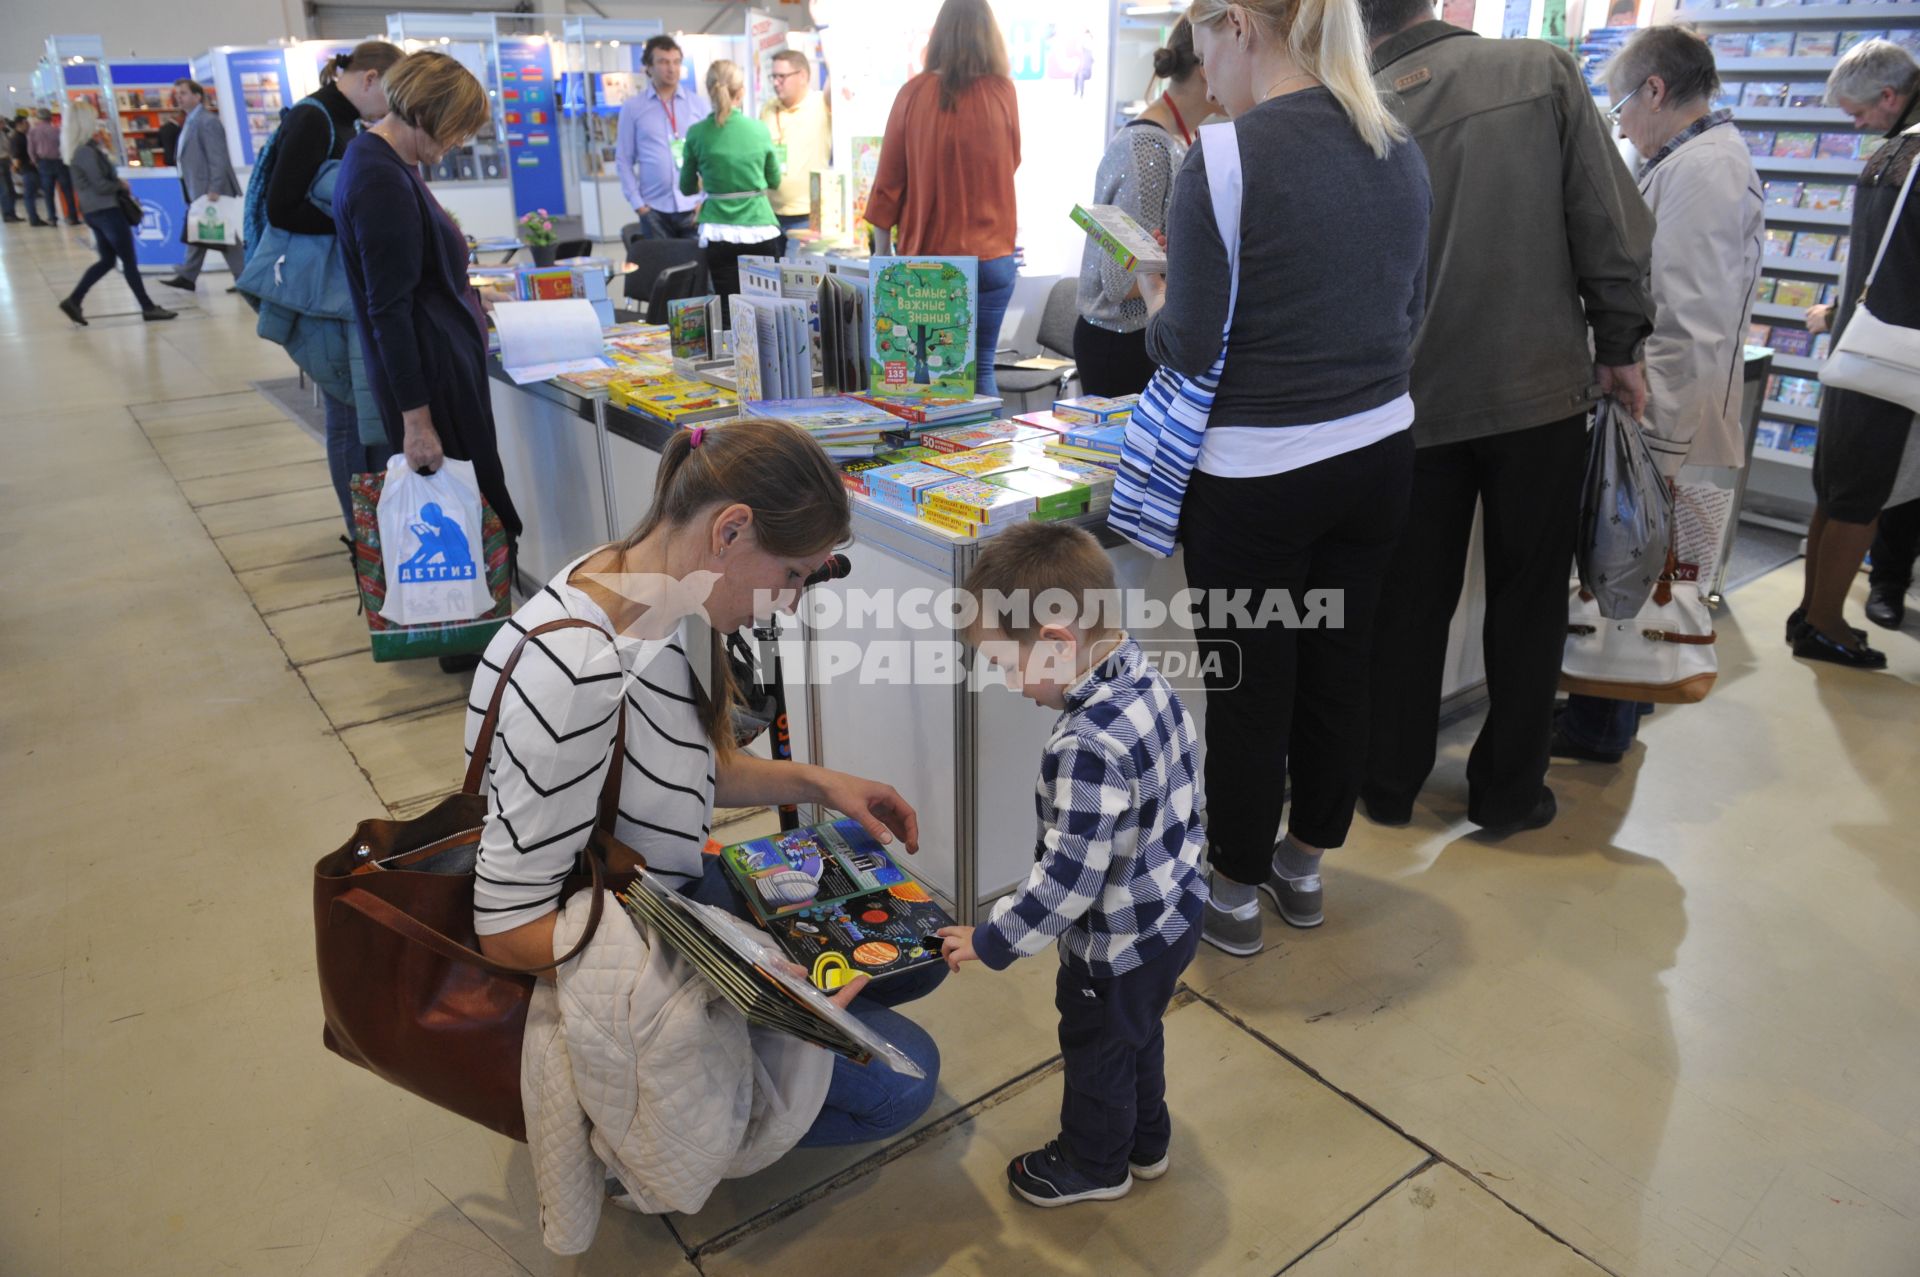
(351,91)
(421,324)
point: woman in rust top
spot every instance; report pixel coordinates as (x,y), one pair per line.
(947,162)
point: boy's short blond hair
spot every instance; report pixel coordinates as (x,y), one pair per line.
(1031,560)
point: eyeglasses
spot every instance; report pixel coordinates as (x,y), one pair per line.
(1613,115)
(786,75)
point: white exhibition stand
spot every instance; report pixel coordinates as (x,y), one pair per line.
(582,472)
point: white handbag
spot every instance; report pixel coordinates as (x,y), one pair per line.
(1873,357)
(1665,654)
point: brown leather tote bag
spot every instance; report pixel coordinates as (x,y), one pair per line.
(405,989)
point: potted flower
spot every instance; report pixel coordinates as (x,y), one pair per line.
(536,232)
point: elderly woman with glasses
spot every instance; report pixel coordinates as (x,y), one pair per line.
(1697,177)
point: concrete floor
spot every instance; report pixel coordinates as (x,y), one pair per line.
(1675,1033)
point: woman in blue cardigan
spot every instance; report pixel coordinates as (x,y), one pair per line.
(421,324)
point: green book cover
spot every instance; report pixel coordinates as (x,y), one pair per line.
(924,316)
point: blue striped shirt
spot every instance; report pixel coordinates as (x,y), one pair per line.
(1117,876)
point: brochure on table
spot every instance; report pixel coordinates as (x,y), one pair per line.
(1059,58)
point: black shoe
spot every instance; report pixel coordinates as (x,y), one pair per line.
(459,664)
(74,221)
(37,222)
(154,314)
(1887,606)
(71,309)
(1815,646)
(1539,817)
(1797,621)
(174,281)
(1564,746)
(14,219)
(234,289)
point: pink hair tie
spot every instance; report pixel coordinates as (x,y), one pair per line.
(699,433)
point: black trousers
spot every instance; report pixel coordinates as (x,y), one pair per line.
(113,240)
(1527,484)
(723,266)
(1113,1048)
(1895,545)
(1283,701)
(1111,363)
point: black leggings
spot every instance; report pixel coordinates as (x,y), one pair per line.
(723,264)
(1110,363)
(1284,701)
(113,237)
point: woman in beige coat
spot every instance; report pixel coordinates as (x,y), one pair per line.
(1709,212)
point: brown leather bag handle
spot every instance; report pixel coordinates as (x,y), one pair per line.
(381,913)
(490,724)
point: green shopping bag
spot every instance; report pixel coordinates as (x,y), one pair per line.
(414,642)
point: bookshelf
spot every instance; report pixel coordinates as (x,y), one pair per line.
(1773,63)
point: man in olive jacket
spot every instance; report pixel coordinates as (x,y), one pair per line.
(1537,304)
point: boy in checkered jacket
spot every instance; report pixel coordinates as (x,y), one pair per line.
(1118,878)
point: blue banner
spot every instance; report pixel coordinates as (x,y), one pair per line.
(157,239)
(531,113)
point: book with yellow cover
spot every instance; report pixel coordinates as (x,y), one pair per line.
(979,502)
(678,403)
(977,462)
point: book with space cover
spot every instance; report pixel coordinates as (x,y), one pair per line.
(837,902)
(924,314)
(1121,238)
(748,973)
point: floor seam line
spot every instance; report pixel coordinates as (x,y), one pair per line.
(228,474)
(385,718)
(258,496)
(291,607)
(1426,1164)
(1394,1126)
(277,563)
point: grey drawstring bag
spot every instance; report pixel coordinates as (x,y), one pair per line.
(1626,516)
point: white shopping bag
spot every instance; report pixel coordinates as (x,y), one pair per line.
(431,546)
(215,220)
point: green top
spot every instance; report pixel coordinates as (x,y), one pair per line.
(727,159)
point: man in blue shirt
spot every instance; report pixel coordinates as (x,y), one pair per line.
(652,143)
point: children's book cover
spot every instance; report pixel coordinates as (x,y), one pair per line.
(837,902)
(925,311)
(687,321)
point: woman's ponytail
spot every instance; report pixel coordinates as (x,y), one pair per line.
(1329,40)
(725,87)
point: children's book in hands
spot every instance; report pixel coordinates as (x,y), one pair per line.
(837,902)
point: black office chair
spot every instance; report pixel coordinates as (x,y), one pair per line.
(1056,339)
(630,234)
(673,284)
(652,256)
(563,249)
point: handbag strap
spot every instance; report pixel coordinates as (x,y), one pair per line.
(1893,223)
(1226,186)
(399,921)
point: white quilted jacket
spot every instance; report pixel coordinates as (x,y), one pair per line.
(634,1063)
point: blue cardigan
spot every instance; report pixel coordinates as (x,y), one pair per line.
(407,269)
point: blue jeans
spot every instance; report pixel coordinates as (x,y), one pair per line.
(113,237)
(347,456)
(864,1102)
(30,192)
(56,177)
(1602,725)
(6,197)
(997,276)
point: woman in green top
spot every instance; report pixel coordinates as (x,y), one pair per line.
(732,158)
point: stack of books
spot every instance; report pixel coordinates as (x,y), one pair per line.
(926,411)
(1095,410)
(848,429)
(975,507)
(961,438)
(674,401)
(1100,444)
(900,488)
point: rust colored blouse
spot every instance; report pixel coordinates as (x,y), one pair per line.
(946,177)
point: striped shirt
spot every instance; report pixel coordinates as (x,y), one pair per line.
(1117,874)
(554,743)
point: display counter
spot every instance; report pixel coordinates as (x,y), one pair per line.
(582,472)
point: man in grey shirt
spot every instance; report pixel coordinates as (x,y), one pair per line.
(1537,304)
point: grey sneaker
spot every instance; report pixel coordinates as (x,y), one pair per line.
(1235,931)
(1297,899)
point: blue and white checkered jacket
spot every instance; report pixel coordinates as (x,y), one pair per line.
(1118,874)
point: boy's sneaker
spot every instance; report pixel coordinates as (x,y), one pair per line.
(1046,1178)
(1297,899)
(1235,931)
(1148,1170)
